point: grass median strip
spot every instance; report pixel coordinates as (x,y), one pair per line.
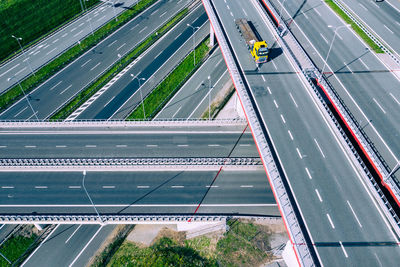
(154,102)
(95,86)
(44,73)
(355,27)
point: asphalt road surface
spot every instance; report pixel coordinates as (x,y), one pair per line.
(334,203)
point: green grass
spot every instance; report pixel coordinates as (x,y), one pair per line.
(14,247)
(165,90)
(355,27)
(85,94)
(14,93)
(31,20)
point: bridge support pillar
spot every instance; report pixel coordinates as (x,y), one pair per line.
(38,226)
(212,36)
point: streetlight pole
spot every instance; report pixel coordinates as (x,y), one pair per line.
(194,42)
(29,103)
(23,52)
(330,47)
(140,90)
(209,98)
(91,201)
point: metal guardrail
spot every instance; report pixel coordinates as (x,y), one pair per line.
(116,162)
(295,232)
(310,70)
(120,123)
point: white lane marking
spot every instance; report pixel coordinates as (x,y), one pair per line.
(143,29)
(394,98)
(344,251)
(177,186)
(112,98)
(143,186)
(80,25)
(379,261)
(212,145)
(76,34)
(348,67)
(7,187)
(276,104)
(290,134)
(183,145)
(90,145)
(112,43)
(65,89)
(308,173)
(319,196)
(269,90)
(298,152)
(41,187)
(154,12)
(323,37)
(86,62)
(134,26)
(359,223)
(3,146)
(320,150)
(9,69)
(158,54)
(212,186)
(121,146)
(73,29)
(54,86)
(74,187)
(247,186)
(80,253)
(330,220)
(375,5)
(176,37)
(376,102)
(365,65)
(65,34)
(231,13)
(273,63)
(262,77)
(283,119)
(305,15)
(163,14)
(245,145)
(316,11)
(245,12)
(121,46)
(52,50)
(22,110)
(21,70)
(293,100)
(228,7)
(66,241)
(30,117)
(152,145)
(173,116)
(30,146)
(108,186)
(363,6)
(338,35)
(55,41)
(95,66)
(388,28)
(101,18)
(61,146)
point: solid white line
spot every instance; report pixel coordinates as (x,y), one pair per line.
(276,104)
(110,101)
(308,173)
(21,70)
(41,243)
(121,46)
(143,186)
(30,146)
(365,65)
(9,69)
(52,50)
(293,100)
(394,98)
(344,251)
(90,146)
(95,66)
(22,110)
(290,134)
(108,186)
(80,253)
(247,186)
(177,186)
(65,89)
(152,145)
(173,116)
(74,187)
(41,187)
(319,196)
(388,28)
(54,86)
(298,152)
(348,203)
(320,150)
(330,220)
(66,241)
(113,42)
(323,37)
(143,29)
(283,118)
(376,102)
(62,146)
(86,62)
(7,187)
